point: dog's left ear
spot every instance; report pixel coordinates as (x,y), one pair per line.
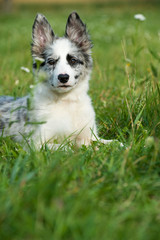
(76,32)
(42,35)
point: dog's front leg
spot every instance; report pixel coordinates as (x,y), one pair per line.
(104,141)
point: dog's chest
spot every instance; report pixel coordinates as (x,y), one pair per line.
(62,119)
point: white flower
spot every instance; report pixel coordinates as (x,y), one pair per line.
(31,86)
(140,17)
(38,59)
(25,69)
(16,82)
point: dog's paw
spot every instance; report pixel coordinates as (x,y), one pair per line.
(104,141)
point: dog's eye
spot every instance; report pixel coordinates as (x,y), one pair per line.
(51,61)
(73,61)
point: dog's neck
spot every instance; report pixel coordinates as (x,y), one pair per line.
(43,94)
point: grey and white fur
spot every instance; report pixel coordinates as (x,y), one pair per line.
(60,106)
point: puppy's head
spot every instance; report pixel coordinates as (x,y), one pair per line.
(67,60)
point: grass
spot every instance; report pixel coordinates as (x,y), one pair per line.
(109,194)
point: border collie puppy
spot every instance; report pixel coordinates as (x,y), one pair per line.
(59,107)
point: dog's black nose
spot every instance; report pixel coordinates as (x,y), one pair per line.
(63,78)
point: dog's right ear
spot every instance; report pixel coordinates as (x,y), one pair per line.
(42,35)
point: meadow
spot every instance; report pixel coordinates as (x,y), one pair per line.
(112,193)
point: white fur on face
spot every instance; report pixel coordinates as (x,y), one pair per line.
(59,51)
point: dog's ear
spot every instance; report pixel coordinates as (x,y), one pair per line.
(42,35)
(76,32)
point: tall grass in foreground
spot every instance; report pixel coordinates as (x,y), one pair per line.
(112,193)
